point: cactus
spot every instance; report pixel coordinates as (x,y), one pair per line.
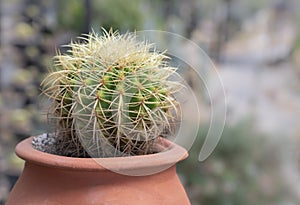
(111,96)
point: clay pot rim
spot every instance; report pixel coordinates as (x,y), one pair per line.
(173,154)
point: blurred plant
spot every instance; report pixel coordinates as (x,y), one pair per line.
(70,15)
(118,14)
(111,95)
(239,171)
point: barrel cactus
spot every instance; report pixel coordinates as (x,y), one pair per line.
(111,95)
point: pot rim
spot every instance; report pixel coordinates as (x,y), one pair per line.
(173,154)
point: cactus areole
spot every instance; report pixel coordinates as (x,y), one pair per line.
(111,95)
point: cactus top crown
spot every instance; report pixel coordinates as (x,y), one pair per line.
(111,95)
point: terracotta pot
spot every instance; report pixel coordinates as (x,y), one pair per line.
(51,179)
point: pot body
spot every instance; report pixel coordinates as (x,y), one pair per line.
(86,183)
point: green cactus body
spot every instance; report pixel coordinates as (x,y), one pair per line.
(111,96)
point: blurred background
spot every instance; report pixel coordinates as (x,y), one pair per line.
(255,46)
